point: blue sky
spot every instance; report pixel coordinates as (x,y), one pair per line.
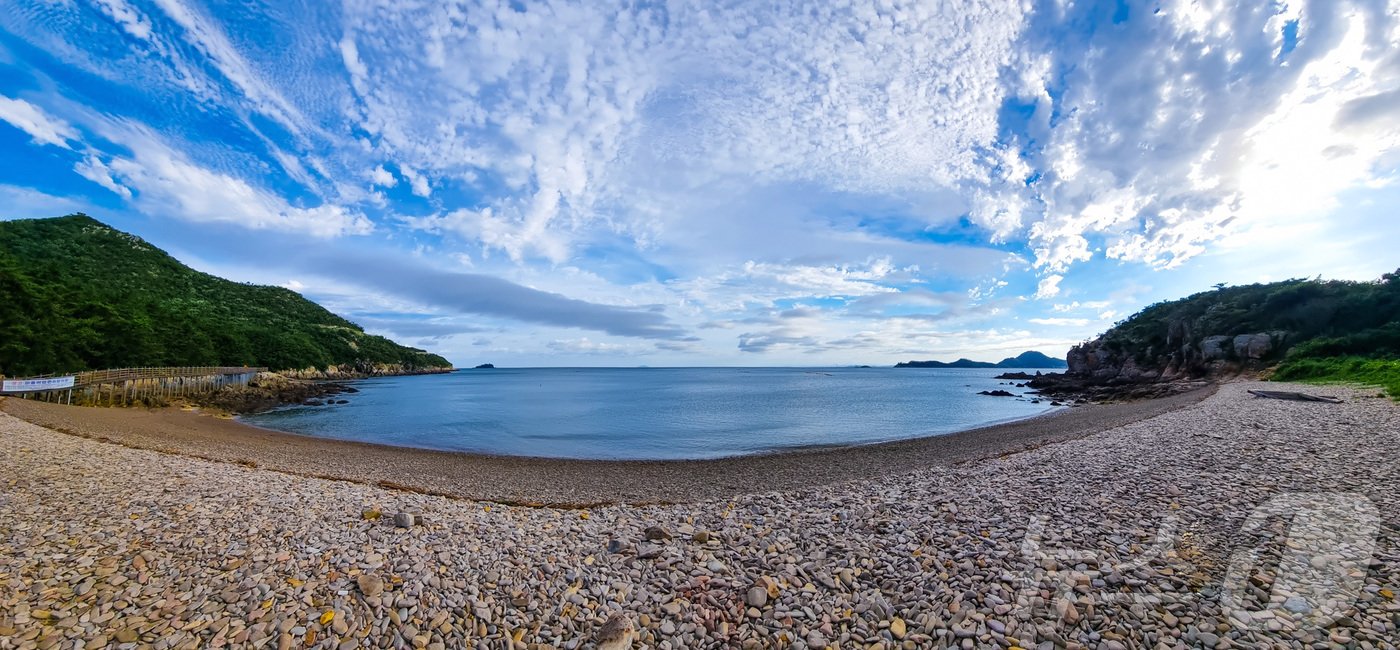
(717,183)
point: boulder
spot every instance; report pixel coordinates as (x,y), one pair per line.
(1253,346)
(1213,348)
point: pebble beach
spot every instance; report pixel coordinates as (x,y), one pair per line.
(1226,522)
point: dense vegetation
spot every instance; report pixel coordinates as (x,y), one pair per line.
(1335,330)
(1340,316)
(78,295)
(1352,370)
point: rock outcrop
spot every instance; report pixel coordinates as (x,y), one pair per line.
(1185,355)
(361,371)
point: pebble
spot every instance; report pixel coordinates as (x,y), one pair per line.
(757,597)
(177,552)
(370,585)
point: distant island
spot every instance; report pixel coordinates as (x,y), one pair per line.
(485,366)
(1031,359)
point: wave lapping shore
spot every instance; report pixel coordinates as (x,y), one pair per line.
(114,545)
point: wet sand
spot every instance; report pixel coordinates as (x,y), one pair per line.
(541,481)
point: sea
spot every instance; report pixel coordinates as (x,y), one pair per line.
(659,413)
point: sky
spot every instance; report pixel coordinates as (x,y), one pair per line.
(695,183)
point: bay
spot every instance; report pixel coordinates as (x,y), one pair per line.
(658,413)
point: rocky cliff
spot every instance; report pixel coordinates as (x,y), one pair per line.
(1185,354)
(1176,344)
(361,371)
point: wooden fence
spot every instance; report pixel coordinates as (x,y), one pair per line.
(125,386)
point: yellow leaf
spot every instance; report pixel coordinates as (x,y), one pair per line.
(581,515)
(519,634)
(486,508)
(266,604)
(1387,594)
(326,617)
(294,582)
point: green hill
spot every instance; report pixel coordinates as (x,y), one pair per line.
(76,294)
(1032,359)
(1303,329)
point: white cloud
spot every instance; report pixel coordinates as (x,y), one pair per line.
(1048,287)
(1218,129)
(586,346)
(162,181)
(627,126)
(763,283)
(40,126)
(1061,322)
(416,181)
(1076,305)
(383,177)
(93,169)
(206,37)
(129,18)
(28,203)
(713,161)
(637,105)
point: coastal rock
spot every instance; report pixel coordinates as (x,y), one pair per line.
(997,393)
(616,546)
(370,585)
(656,533)
(403,520)
(1213,348)
(1256,346)
(1016,375)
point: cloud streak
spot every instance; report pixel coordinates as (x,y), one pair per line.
(485,295)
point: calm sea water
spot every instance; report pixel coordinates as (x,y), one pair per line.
(661,413)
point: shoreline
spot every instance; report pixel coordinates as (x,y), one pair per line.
(537,481)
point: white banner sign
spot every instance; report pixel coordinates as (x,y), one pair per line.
(31,385)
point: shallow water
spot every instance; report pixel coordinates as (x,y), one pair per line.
(658,413)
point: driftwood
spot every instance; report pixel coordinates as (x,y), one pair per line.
(1300,397)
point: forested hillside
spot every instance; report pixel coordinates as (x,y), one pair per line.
(1323,329)
(76,294)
